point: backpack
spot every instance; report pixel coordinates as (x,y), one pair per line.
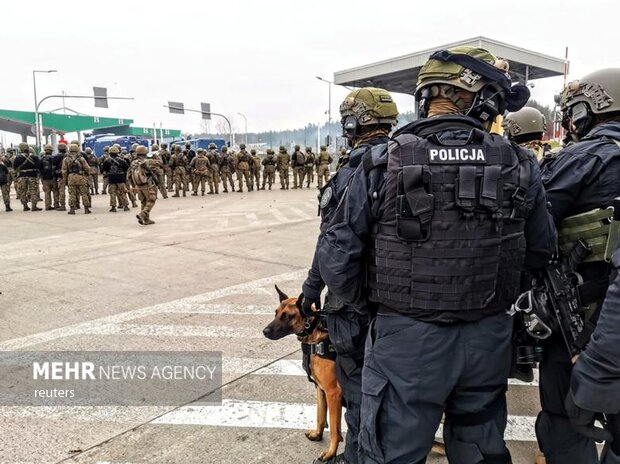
(301,159)
(115,168)
(138,173)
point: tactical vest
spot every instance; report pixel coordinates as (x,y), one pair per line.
(269,161)
(47,167)
(75,167)
(450,233)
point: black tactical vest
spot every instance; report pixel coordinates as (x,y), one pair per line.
(450,233)
(47,167)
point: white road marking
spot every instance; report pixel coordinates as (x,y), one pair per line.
(300,213)
(228,309)
(176,331)
(255,286)
(277,415)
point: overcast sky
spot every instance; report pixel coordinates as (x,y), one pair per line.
(260,58)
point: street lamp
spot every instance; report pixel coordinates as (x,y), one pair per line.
(329,109)
(37,131)
(246,126)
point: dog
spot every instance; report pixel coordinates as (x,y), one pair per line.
(319,363)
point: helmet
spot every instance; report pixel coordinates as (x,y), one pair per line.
(368,106)
(117,145)
(474,70)
(308,149)
(89,150)
(297,147)
(10,150)
(597,93)
(74,148)
(113,150)
(141,150)
(63,147)
(188,144)
(212,146)
(24,147)
(134,146)
(253,151)
(224,148)
(75,142)
(269,151)
(123,151)
(525,125)
(242,146)
(48,147)
(343,151)
(323,148)
(154,147)
(106,149)
(200,151)
(164,145)
(282,148)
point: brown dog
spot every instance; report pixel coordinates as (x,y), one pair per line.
(321,368)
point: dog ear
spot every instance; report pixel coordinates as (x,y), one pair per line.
(281,294)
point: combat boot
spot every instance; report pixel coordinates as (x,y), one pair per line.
(148,222)
(113,209)
(26,208)
(125,208)
(184,193)
(36,208)
(225,190)
(8,208)
(176,195)
(134,204)
(195,194)
(62,208)
(86,210)
(269,187)
(48,208)
(71,211)
(139,218)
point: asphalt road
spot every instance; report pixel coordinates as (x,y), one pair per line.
(201,278)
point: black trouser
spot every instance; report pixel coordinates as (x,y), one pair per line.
(557,439)
(347,332)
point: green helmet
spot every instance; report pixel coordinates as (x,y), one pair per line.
(24,147)
(308,149)
(269,151)
(242,146)
(282,149)
(113,150)
(141,150)
(75,142)
(323,148)
(475,70)
(74,148)
(62,147)
(297,147)
(524,125)
(368,106)
(597,93)
(88,151)
(224,148)
(154,147)
(252,151)
(212,146)
(48,147)
(164,145)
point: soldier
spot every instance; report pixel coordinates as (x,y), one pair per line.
(27,166)
(309,166)
(156,164)
(93,162)
(129,157)
(323,162)
(583,177)
(284,161)
(50,186)
(9,159)
(60,180)
(269,171)
(214,163)
(243,168)
(179,163)
(298,160)
(165,158)
(441,340)
(226,169)
(115,169)
(104,157)
(4,182)
(256,164)
(144,181)
(527,127)
(75,171)
(190,155)
(343,159)
(201,170)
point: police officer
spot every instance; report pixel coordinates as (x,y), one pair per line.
(584,176)
(441,225)
(527,127)
(27,166)
(370,114)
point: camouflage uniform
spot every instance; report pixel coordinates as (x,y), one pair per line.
(284,162)
(9,158)
(93,176)
(104,157)
(309,166)
(226,168)
(342,159)
(299,160)
(156,164)
(75,171)
(179,162)
(58,177)
(214,162)
(323,162)
(147,191)
(27,166)
(165,158)
(201,170)
(269,171)
(50,186)
(243,165)
(4,183)
(129,157)
(115,169)
(256,163)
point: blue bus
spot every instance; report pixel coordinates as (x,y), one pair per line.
(199,143)
(98,142)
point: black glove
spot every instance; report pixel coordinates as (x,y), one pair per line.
(582,421)
(304,303)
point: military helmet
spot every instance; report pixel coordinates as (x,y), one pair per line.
(297,147)
(343,151)
(475,70)
(224,148)
(323,148)
(369,106)
(282,148)
(188,144)
(63,147)
(212,146)
(124,151)
(524,125)
(105,149)
(75,142)
(308,149)
(154,147)
(269,151)
(48,147)
(10,150)
(252,151)
(117,145)
(242,146)
(74,148)
(164,145)
(134,146)
(88,150)
(113,150)
(141,150)
(24,147)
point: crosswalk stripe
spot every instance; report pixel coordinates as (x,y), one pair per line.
(263,414)
(176,331)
